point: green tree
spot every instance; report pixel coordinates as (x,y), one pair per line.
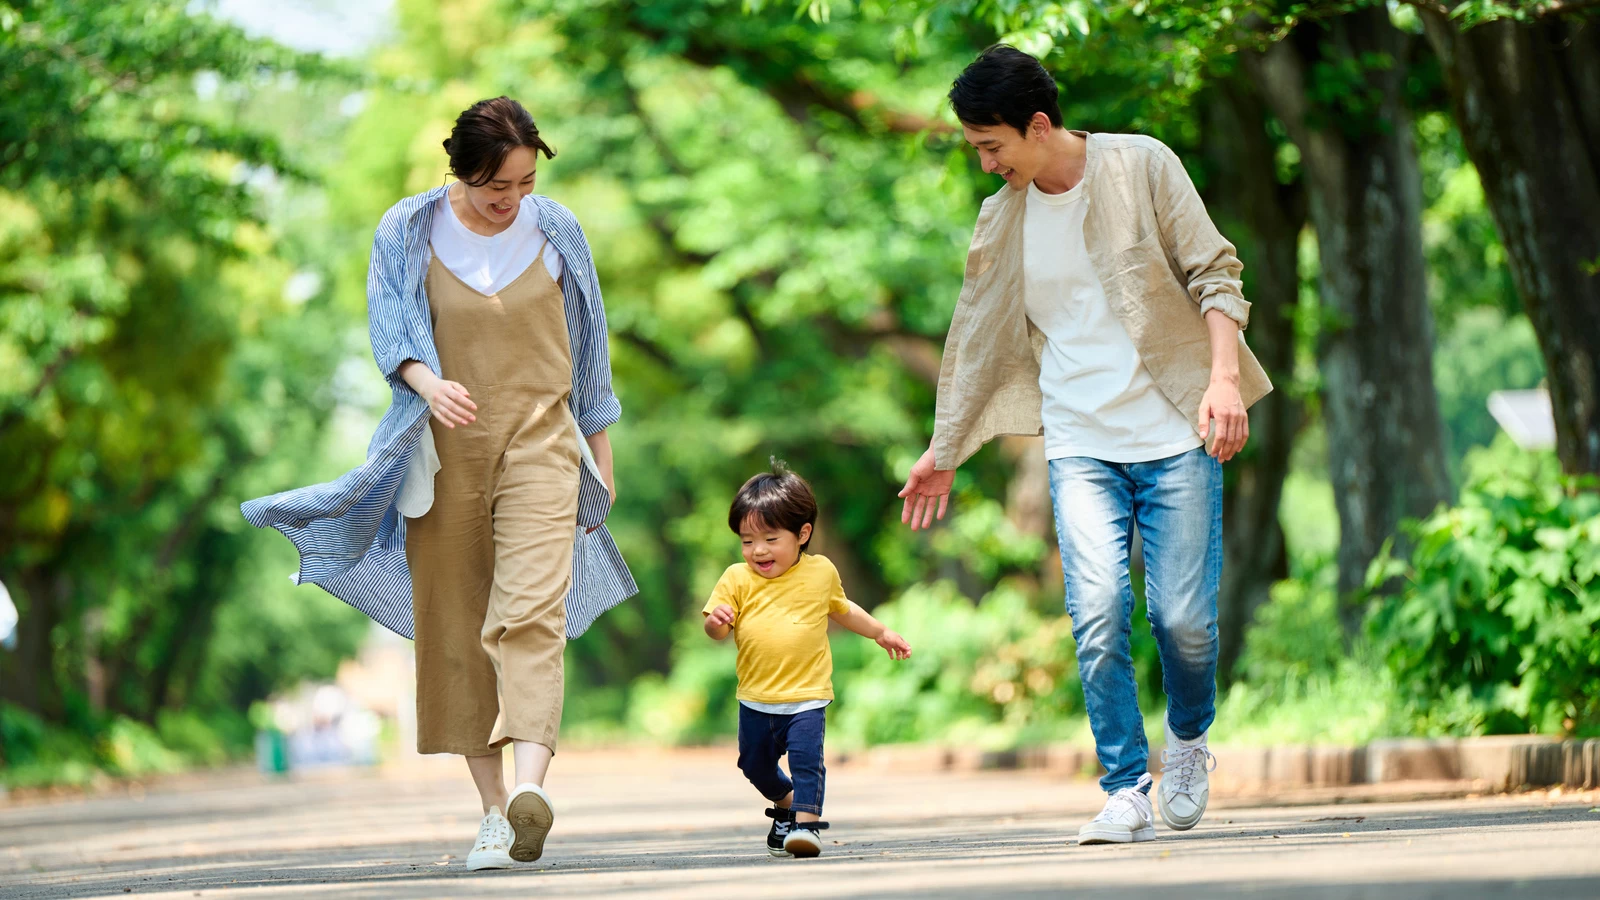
(1523,76)
(151,361)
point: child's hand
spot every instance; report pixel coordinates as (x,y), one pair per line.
(722,615)
(896,645)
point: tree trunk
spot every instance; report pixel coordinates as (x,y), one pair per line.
(27,675)
(1264,218)
(1385,433)
(1527,101)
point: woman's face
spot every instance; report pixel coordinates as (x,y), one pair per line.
(498,199)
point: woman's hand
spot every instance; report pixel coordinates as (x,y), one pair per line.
(600,446)
(447,400)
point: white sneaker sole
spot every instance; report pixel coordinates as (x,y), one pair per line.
(1116,836)
(1177,824)
(489,861)
(531,819)
(780,854)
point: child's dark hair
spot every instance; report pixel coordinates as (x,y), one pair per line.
(485,134)
(777,499)
(1005,86)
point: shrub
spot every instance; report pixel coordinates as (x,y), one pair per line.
(1500,598)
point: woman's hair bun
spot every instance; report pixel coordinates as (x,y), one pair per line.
(485,134)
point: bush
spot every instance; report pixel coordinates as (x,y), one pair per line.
(993,674)
(41,754)
(1500,599)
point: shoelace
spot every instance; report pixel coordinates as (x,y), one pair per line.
(1128,798)
(782,821)
(1184,765)
(493,834)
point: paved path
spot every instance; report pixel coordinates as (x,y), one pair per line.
(640,825)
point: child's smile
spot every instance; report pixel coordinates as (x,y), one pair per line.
(771,551)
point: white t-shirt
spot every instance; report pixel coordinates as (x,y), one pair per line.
(488,263)
(1099,399)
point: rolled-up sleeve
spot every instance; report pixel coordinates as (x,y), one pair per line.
(392,342)
(594,404)
(1209,262)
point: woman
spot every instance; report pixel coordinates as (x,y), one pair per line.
(479,531)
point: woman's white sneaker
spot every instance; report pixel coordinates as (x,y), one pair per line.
(531,817)
(493,847)
(1126,819)
(1186,767)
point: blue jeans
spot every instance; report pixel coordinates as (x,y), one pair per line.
(763,737)
(1177,505)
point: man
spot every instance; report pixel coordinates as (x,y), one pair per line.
(1103,310)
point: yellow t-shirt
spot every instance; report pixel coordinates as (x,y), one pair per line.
(780,626)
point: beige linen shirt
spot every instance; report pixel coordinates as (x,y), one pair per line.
(1163,265)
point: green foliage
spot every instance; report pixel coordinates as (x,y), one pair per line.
(1500,600)
(1484,351)
(997,673)
(41,754)
(1467,267)
(154,369)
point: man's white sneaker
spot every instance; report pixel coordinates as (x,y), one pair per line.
(1127,818)
(531,816)
(1186,767)
(492,850)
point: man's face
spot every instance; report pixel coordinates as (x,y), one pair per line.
(1004,151)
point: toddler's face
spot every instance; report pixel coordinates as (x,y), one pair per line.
(770,550)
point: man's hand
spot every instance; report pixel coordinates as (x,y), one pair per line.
(925,484)
(1232,423)
(897,646)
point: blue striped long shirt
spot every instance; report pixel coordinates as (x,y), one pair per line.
(350,533)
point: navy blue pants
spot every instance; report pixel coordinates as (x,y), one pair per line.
(763,737)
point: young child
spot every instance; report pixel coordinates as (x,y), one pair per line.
(777,604)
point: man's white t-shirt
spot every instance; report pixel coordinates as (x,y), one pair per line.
(488,263)
(1099,399)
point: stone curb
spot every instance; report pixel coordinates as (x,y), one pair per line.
(1503,763)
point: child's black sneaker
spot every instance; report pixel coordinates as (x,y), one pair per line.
(805,839)
(782,821)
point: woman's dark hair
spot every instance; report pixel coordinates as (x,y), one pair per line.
(485,134)
(777,499)
(1005,86)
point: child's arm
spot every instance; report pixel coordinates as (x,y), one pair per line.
(719,622)
(861,622)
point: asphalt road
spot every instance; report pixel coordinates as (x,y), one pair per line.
(644,824)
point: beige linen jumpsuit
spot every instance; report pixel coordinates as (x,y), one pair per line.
(491,560)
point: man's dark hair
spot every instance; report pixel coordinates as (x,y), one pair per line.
(1005,86)
(485,134)
(776,499)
